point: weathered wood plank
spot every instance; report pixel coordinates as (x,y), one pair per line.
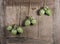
(56,20)
(40,20)
(16,13)
(24,40)
(33,30)
(2,23)
(11,43)
(46,27)
(24,14)
(11,16)
(34,0)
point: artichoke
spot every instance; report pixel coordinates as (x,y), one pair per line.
(9,28)
(14,32)
(20,30)
(42,12)
(27,22)
(48,12)
(33,21)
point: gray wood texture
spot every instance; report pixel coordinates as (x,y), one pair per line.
(56,22)
(46,31)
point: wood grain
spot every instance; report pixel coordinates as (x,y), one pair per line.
(46,26)
(2,23)
(16,12)
(56,21)
(33,30)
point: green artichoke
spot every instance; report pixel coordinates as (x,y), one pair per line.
(27,22)
(48,12)
(9,28)
(42,12)
(33,21)
(20,30)
(14,32)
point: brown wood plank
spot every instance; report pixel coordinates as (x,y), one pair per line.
(40,20)
(11,17)
(2,22)
(16,13)
(32,41)
(24,14)
(56,25)
(33,30)
(34,0)
(11,43)
(46,27)
(25,1)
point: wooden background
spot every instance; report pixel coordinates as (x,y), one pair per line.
(46,31)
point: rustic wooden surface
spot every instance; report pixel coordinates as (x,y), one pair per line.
(46,31)
(57,21)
